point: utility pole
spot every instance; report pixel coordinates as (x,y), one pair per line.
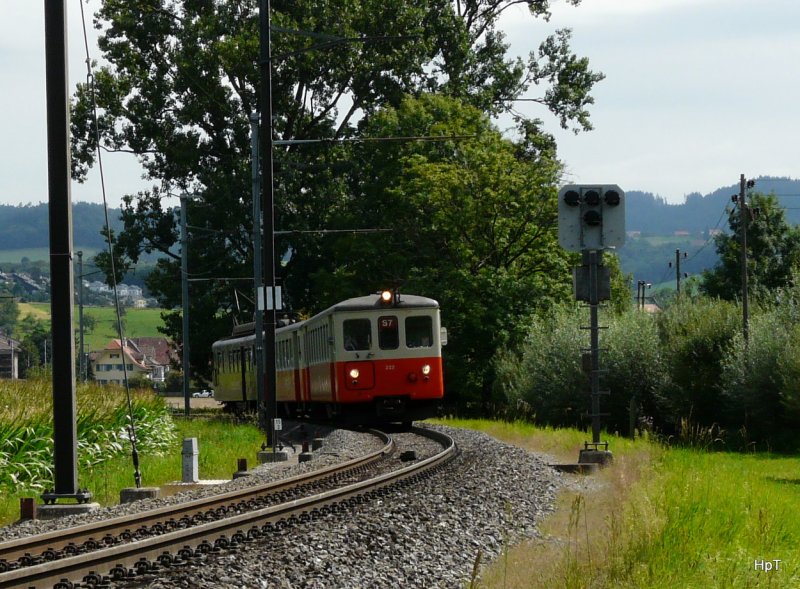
(743,213)
(185,302)
(257,270)
(65,455)
(678,270)
(269,410)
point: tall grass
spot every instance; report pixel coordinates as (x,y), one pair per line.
(103,429)
(104,449)
(659,517)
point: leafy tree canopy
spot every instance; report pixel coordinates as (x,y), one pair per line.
(182,79)
(773,251)
(472,223)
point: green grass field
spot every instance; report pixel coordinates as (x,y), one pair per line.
(658,517)
(137,322)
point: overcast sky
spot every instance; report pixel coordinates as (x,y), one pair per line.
(696,93)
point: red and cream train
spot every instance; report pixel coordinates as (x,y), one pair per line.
(376,358)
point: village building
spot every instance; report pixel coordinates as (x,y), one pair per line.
(144,357)
(9,357)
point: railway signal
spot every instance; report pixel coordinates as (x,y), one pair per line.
(591,217)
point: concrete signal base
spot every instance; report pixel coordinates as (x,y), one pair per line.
(131,494)
(589,462)
(58,510)
(601,457)
(266,456)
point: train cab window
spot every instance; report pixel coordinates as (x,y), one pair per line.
(357,334)
(419,332)
(388,333)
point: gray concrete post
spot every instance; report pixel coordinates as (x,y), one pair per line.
(190,469)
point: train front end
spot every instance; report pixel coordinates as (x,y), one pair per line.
(388,357)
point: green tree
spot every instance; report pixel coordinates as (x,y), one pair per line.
(773,251)
(9,312)
(32,333)
(182,80)
(472,223)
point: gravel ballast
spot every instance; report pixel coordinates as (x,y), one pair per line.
(426,535)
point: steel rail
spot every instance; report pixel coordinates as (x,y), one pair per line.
(59,540)
(142,557)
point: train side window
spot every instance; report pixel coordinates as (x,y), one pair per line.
(357,334)
(419,332)
(388,333)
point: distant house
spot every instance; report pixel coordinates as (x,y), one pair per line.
(9,357)
(128,291)
(681,233)
(144,357)
(651,308)
(98,286)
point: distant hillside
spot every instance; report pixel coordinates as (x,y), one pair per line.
(664,228)
(652,215)
(27,226)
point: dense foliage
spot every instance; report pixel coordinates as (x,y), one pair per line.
(773,251)
(687,368)
(182,81)
(26,430)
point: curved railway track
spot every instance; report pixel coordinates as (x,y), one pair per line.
(121,548)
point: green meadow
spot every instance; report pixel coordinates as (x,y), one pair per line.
(136,322)
(658,517)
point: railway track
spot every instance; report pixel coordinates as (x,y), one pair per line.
(122,548)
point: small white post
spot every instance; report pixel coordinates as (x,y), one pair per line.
(190,470)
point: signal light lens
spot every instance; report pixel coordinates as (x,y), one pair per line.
(612,198)
(592,198)
(572,198)
(592,218)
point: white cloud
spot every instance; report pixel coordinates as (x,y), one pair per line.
(696,92)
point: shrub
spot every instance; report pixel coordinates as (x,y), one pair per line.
(546,374)
(695,337)
(760,379)
(636,374)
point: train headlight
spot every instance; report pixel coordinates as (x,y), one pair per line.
(354,373)
(426,369)
(386,297)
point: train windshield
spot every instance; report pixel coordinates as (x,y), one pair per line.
(357,334)
(419,332)
(388,333)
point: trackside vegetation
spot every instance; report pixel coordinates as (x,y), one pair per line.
(26,432)
(660,516)
(104,450)
(687,368)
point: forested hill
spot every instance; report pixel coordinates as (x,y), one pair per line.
(27,226)
(651,214)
